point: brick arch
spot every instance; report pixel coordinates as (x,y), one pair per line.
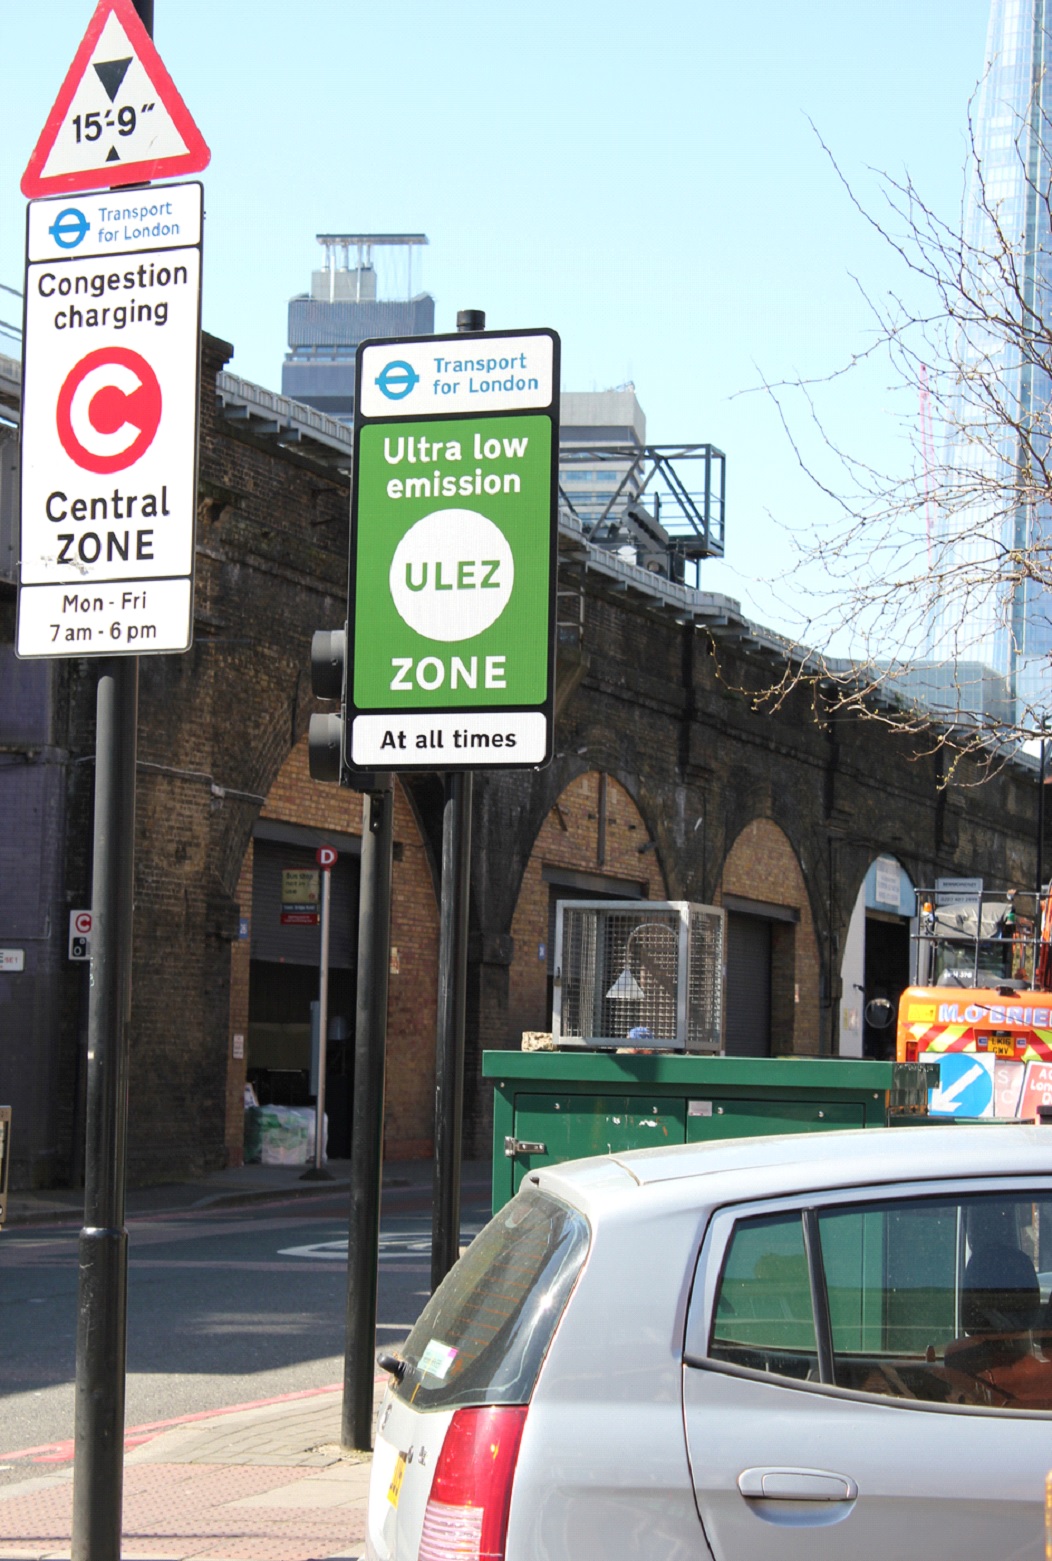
(413,985)
(280,712)
(605,839)
(850,1027)
(854,879)
(762,867)
(509,818)
(216,726)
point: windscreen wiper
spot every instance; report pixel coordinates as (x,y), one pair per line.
(391,1363)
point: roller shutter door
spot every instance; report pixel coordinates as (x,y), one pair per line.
(748,1029)
(295,945)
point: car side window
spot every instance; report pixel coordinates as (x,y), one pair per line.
(941,1300)
(892,1280)
(764,1317)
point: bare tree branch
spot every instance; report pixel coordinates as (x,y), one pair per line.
(920,566)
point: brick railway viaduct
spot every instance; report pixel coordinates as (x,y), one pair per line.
(666,782)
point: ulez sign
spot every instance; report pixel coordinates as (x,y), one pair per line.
(453,542)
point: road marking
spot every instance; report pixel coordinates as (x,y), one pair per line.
(332,1251)
(392,1244)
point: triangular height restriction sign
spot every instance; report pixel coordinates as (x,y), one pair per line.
(118,118)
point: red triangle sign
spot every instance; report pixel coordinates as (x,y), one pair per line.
(118,118)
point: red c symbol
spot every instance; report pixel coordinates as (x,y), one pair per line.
(109,409)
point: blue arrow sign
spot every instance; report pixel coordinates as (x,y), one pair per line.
(966,1085)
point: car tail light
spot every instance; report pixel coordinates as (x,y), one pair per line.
(912,1049)
(467,1511)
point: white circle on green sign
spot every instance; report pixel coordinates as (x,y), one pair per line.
(452,575)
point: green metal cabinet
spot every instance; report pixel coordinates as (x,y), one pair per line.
(554,1106)
(571,1125)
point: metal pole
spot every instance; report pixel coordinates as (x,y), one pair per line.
(102,1295)
(367,1130)
(98,1459)
(317,1172)
(452,992)
(449,1050)
(1041,816)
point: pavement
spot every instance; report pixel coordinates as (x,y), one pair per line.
(261,1482)
(266,1481)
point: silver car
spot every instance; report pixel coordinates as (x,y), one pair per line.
(795,1348)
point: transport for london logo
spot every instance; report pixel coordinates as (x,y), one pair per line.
(69,227)
(397,379)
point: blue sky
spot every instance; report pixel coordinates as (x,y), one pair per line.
(645,179)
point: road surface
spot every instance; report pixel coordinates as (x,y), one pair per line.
(225,1306)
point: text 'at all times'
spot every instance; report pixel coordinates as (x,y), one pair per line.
(460,738)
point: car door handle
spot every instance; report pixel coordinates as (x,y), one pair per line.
(796,1485)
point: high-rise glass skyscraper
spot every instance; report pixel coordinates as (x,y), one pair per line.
(993,517)
(341,310)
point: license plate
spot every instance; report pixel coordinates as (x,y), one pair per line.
(1002,1045)
(396,1480)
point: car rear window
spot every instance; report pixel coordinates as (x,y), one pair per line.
(483,1335)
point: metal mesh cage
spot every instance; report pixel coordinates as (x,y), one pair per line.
(639,973)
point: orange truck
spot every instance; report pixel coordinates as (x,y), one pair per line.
(984,987)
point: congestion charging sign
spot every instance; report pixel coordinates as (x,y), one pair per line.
(111,335)
(453,552)
(109,422)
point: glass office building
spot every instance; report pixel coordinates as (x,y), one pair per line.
(343,309)
(991,494)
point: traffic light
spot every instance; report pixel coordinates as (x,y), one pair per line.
(328,677)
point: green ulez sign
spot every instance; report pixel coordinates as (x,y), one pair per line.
(452,597)
(451,587)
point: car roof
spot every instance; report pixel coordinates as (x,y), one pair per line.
(734,1170)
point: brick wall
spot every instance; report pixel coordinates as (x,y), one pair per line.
(413,976)
(723,794)
(215,729)
(572,836)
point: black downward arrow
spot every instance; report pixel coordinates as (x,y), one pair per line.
(111,73)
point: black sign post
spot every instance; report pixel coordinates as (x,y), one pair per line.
(454,907)
(102,1306)
(59,434)
(367,1129)
(452,1002)
(447,665)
